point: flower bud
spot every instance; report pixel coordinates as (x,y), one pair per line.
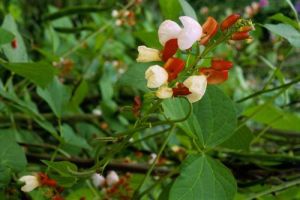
(174,66)
(156,76)
(240,36)
(164,92)
(31,182)
(115,13)
(98,180)
(210,28)
(197,86)
(229,21)
(112,178)
(148,54)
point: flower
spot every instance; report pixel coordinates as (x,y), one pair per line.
(164,92)
(210,28)
(218,72)
(152,158)
(147,54)
(112,178)
(174,66)
(98,180)
(156,76)
(180,90)
(31,182)
(186,36)
(264,3)
(229,21)
(197,87)
(137,105)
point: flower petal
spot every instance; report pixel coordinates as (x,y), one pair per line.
(156,76)
(31,182)
(197,86)
(147,54)
(168,30)
(112,178)
(219,64)
(210,28)
(164,92)
(174,66)
(214,76)
(170,48)
(190,33)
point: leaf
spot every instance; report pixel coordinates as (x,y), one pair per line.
(203,178)
(282,18)
(71,138)
(170,9)
(40,73)
(135,77)
(64,181)
(6,36)
(150,39)
(18,54)
(56,95)
(61,167)
(12,155)
(240,140)
(286,31)
(5,176)
(213,119)
(188,10)
(79,94)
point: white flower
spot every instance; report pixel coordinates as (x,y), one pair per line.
(118,22)
(112,178)
(31,182)
(156,76)
(197,86)
(98,180)
(152,158)
(115,13)
(147,54)
(186,36)
(164,92)
(97,112)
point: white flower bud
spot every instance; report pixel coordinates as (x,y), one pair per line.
(197,86)
(112,178)
(119,22)
(147,54)
(152,158)
(115,13)
(164,92)
(98,180)
(97,112)
(156,76)
(31,182)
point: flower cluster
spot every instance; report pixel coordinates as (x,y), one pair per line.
(166,79)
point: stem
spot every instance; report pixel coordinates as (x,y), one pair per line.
(135,195)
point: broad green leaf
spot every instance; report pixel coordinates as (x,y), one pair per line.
(188,10)
(79,94)
(6,36)
(170,9)
(240,140)
(282,18)
(5,176)
(274,117)
(18,54)
(12,155)
(286,31)
(135,77)
(40,73)
(213,119)
(61,167)
(56,95)
(69,136)
(150,39)
(203,178)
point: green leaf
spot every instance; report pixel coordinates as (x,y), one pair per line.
(150,39)
(5,176)
(240,140)
(135,77)
(64,181)
(71,138)
(188,10)
(85,192)
(282,18)
(79,94)
(203,178)
(12,155)
(6,36)
(286,31)
(213,119)
(170,9)
(56,95)
(40,73)
(61,167)
(18,54)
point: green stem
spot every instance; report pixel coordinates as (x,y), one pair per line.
(135,195)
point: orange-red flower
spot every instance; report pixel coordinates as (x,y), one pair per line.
(180,90)
(210,28)
(45,180)
(229,21)
(174,66)
(218,72)
(170,49)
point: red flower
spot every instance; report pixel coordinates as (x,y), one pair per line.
(229,21)
(174,66)
(180,90)
(210,28)
(45,180)
(170,49)
(218,72)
